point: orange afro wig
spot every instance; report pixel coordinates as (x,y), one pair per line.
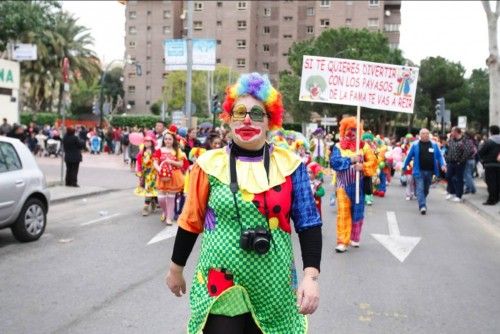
(348,123)
(259,87)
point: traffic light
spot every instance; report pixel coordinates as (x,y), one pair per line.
(440,109)
(215,104)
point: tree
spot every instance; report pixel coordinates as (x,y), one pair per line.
(439,77)
(113,86)
(21,18)
(175,90)
(344,43)
(83,97)
(478,96)
(493,61)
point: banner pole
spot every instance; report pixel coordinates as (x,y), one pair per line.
(358,139)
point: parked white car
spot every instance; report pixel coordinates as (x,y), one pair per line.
(24,196)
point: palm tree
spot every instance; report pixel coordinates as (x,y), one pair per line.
(65,39)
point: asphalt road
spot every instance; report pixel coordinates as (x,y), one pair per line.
(94,272)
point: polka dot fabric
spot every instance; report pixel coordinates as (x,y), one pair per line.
(263,284)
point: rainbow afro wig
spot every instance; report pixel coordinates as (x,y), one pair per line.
(259,87)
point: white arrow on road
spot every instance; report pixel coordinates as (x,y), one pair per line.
(397,245)
(167,233)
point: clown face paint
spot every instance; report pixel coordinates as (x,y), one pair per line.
(248,133)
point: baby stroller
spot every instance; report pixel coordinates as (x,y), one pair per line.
(53,148)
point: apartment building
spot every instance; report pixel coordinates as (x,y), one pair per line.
(251,35)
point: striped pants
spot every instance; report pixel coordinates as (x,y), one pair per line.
(350,215)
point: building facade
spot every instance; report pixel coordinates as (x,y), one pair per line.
(251,35)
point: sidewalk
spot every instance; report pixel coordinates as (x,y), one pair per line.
(490,212)
(60,194)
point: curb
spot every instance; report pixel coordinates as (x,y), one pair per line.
(51,184)
(491,218)
(79,196)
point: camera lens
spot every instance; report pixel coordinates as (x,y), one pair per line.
(261,245)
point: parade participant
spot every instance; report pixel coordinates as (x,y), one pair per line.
(427,160)
(300,147)
(368,139)
(316,178)
(242,198)
(381,184)
(146,173)
(345,161)
(168,161)
(319,150)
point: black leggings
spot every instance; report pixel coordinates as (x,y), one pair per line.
(240,324)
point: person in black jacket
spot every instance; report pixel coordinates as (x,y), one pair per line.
(72,156)
(489,154)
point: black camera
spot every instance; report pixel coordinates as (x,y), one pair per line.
(257,239)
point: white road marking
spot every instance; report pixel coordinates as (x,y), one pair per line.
(396,244)
(99,219)
(167,233)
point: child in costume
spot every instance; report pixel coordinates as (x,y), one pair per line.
(168,161)
(381,184)
(316,178)
(319,150)
(147,175)
(95,144)
(241,199)
(346,162)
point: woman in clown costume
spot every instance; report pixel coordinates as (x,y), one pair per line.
(345,161)
(241,200)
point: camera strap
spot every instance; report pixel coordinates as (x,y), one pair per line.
(234,180)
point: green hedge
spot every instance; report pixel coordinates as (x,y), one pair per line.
(293,126)
(148,121)
(40,118)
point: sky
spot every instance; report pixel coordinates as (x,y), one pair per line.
(455,30)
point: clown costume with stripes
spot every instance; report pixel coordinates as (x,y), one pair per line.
(345,162)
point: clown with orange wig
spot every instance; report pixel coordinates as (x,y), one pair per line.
(346,162)
(242,199)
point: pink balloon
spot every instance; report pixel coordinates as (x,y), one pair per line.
(136,138)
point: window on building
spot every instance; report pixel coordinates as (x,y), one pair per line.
(219,42)
(131,44)
(348,22)
(131,89)
(310,11)
(241,62)
(287,36)
(166,30)
(217,60)
(373,22)
(132,30)
(288,18)
(242,25)
(148,28)
(198,25)
(348,3)
(219,23)
(148,57)
(166,14)
(391,27)
(219,4)
(373,3)
(242,5)
(148,72)
(265,65)
(324,23)
(131,103)
(324,3)
(285,54)
(148,44)
(267,30)
(131,75)
(266,47)
(147,102)
(310,29)
(148,87)
(241,43)
(198,5)
(267,11)
(132,14)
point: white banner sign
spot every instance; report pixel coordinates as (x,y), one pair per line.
(462,122)
(22,52)
(354,82)
(9,74)
(203,54)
